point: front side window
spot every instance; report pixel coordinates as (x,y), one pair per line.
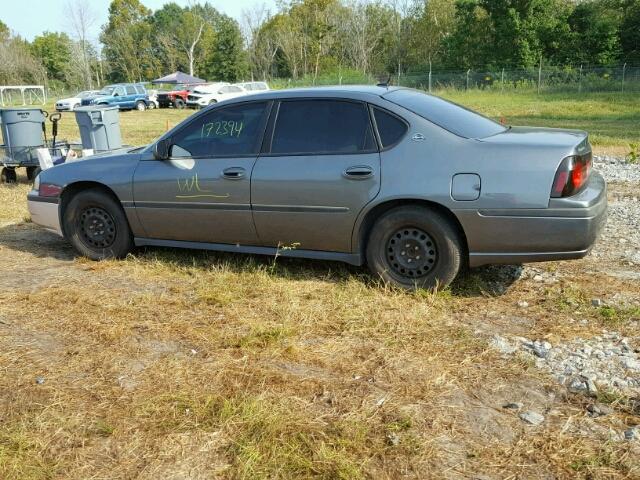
(390,128)
(322,126)
(107,91)
(231,131)
(118,91)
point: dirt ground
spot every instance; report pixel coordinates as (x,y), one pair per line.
(189,365)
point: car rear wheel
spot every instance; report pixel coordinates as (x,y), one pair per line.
(96,226)
(414,247)
(179,103)
(141,106)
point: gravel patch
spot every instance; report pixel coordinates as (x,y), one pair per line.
(608,361)
(616,169)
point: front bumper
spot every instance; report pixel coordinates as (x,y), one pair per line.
(44,212)
(567,229)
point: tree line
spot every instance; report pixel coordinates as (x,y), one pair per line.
(310,38)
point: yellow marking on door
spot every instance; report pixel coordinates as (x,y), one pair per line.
(192,184)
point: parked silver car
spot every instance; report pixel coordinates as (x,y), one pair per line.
(409,183)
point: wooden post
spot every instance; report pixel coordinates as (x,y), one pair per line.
(167,125)
(624,69)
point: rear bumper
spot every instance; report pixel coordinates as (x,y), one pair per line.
(567,229)
(44,212)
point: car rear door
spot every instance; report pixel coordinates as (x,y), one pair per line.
(202,193)
(130,97)
(321,167)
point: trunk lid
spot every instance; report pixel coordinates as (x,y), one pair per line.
(542,137)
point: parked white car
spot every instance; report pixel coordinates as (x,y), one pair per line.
(254,87)
(71,103)
(202,96)
(153,99)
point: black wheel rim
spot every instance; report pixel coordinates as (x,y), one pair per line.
(97,227)
(411,252)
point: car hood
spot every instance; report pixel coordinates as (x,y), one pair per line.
(69,100)
(538,136)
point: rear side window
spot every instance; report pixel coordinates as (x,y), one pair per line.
(130,90)
(322,126)
(390,128)
(230,131)
(140,89)
(450,116)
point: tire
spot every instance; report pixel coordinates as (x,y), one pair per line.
(151,106)
(8,175)
(179,103)
(32,173)
(141,106)
(94,209)
(74,106)
(213,102)
(414,247)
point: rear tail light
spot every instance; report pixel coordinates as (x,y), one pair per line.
(571,176)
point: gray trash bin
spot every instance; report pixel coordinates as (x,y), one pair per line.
(21,132)
(99,127)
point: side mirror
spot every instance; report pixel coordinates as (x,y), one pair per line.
(161,149)
(115,94)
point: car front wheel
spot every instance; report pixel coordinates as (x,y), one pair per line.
(414,247)
(96,226)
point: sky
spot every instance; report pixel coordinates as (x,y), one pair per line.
(29,18)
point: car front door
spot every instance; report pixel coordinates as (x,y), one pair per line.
(321,168)
(202,193)
(119,97)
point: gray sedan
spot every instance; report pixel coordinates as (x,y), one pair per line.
(410,184)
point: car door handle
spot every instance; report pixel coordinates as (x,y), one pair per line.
(358,172)
(233,173)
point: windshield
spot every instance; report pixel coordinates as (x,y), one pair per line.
(450,116)
(106,91)
(86,94)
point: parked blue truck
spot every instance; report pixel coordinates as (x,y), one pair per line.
(127,96)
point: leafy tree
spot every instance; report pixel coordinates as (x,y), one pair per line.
(595,38)
(54,52)
(630,31)
(127,41)
(224,57)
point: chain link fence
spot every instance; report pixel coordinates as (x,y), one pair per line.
(619,78)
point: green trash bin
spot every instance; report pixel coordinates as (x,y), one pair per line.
(99,127)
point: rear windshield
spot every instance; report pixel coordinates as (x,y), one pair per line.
(448,115)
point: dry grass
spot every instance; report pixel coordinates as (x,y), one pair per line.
(181,364)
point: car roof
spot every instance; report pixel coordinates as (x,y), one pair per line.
(346,91)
